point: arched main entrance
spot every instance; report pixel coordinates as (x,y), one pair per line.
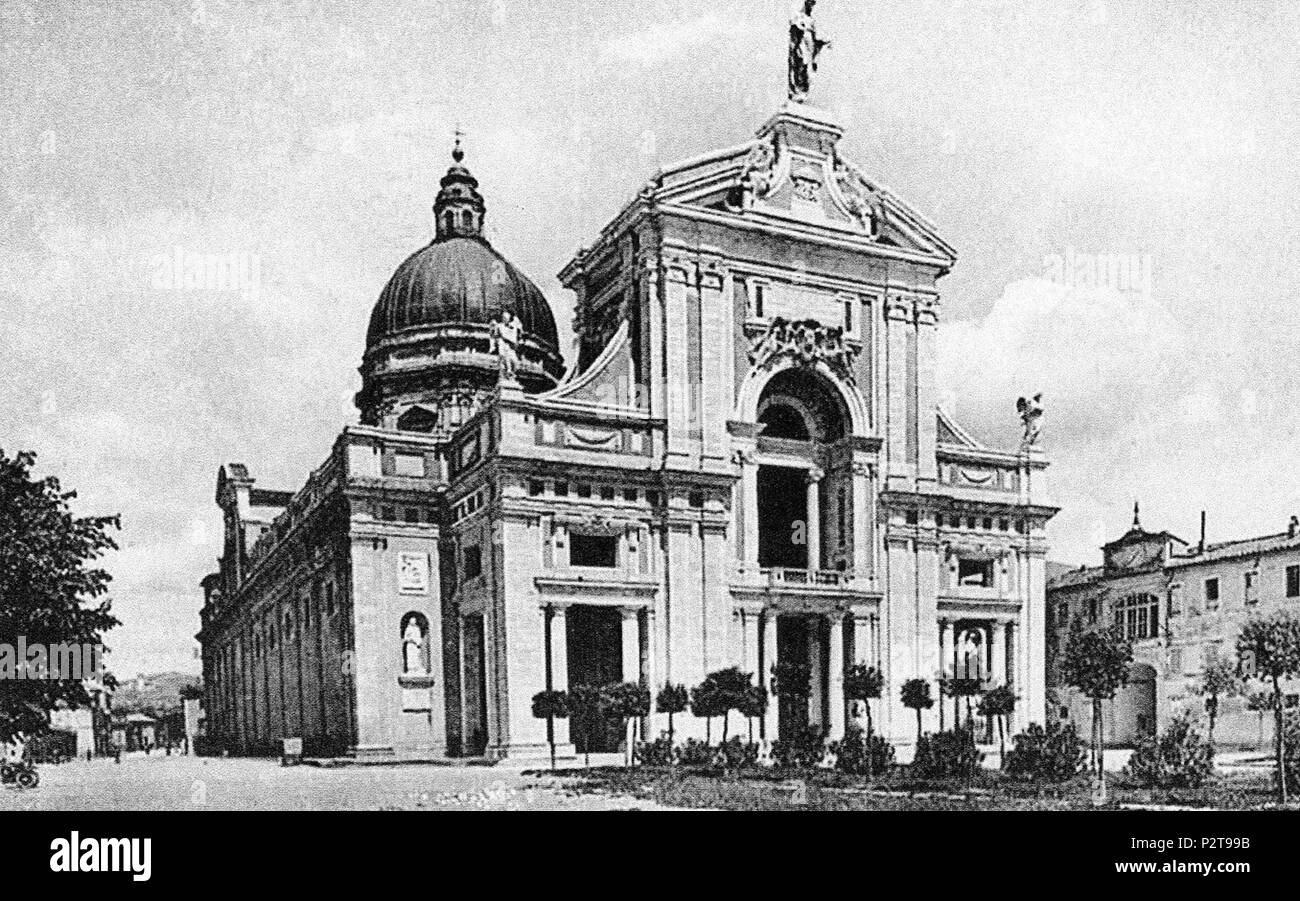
(804,485)
(1133,712)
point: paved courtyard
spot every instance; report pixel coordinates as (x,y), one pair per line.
(196,783)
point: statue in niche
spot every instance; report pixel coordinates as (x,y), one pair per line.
(413,658)
(805,47)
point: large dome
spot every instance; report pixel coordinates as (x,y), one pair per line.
(432,353)
(459,280)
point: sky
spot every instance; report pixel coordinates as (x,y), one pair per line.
(1118,179)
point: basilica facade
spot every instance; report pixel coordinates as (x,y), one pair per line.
(743,464)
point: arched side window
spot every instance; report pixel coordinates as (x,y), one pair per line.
(1137,616)
(414,635)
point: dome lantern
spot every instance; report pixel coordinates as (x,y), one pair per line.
(459,208)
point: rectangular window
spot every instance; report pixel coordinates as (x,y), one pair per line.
(1251,587)
(411,465)
(1063,614)
(1093,608)
(329,598)
(760,299)
(978,573)
(1293,581)
(473,561)
(1175,599)
(848,315)
(1212,593)
(413,515)
(629,494)
(593,550)
(536,488)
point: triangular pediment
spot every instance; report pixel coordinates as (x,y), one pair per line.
(793,174)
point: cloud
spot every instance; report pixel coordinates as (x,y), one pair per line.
(664,40)
(1131,413)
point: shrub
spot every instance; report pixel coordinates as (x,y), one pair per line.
(1180,758)
(696,753)
(947,755)
(736,753)
(1054,754)
(803,751)
(659,752)
(851,753)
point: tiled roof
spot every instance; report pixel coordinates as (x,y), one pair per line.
(1084,575)
(1249,547)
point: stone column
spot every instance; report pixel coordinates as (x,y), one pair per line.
(863,540)
(558,677)
(835,660)
(749,516)
(813,520)
(998,646)
(768,660)
(631,645)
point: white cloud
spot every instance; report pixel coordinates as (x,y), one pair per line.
(663,40)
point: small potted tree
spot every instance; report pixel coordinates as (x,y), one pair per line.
(999,703)
(672,699)
(863,684)
(915,695)
(551,705)
(628,701)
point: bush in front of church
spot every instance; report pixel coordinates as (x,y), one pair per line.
(804,751)
(947,755)
(1180,758)
(1051,754)
(851,753)
(660,752)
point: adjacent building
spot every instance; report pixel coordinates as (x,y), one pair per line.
(1180,604)
(744,464)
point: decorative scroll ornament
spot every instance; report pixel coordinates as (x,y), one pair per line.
(863,203)
(757,176)
(807,342)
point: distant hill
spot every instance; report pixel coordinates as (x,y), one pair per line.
(157,692)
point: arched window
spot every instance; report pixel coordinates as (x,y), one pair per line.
(1137,616)
(414,634)
(783,421)
(467,220)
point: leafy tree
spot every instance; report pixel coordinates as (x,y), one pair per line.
(720,693)
(753,706)
(999,703)
(1097,663)
(792,684)
(916,696)
(191,691)
(629,701)
(1261,702)
(672,699)
(1219,679)
(863,683)
(551,705)
(587,705)
(1269,650)
(962,688)
(49,592)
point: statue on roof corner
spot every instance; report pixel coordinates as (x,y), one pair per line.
(1031,414)
(804,50)
(506,334)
